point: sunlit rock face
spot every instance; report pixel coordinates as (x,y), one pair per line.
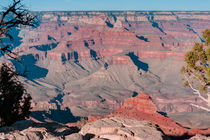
(137,118)
(88,63)
(142,107)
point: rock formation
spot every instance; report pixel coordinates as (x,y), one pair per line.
(113,128)
(122,129)
(109,128)
(136,119)
(142,107)
(29,130)
(88,63)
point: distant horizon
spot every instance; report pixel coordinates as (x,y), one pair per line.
(114,5)
(122,11)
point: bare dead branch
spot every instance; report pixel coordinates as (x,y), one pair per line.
(15,16)
(197,92)
(200,107)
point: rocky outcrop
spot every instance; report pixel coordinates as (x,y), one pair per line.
(110,128)
(142,107)
(29,130)
(199,137)
(122,129)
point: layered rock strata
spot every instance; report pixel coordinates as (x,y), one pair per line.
(88,63)
(143,108)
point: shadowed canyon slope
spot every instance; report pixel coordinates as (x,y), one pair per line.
(88,63)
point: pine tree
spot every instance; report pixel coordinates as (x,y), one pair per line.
(15,102)
(197,70)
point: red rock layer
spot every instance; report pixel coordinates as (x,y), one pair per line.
(142,107)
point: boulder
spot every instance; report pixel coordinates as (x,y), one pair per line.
(116,128)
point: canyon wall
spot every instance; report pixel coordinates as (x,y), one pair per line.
(88,63)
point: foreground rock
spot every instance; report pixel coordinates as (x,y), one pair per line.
(29,130)
(122,129)
(113,128)
(109,128)
(200,137)
(142,107)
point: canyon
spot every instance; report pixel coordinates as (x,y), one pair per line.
(136,119)
(142,108)
(78,64)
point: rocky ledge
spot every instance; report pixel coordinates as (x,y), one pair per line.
(142,108)
(136,119)
(105,129)
(114,128)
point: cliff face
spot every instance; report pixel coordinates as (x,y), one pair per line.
(142,108)
(89,62)
(113,128)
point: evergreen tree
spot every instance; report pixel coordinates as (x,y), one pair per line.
(197,70)
(15,102)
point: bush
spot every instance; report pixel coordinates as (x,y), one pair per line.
(196,71)
(15,102)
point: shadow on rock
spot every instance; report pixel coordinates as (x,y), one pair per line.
(28,67)
(60,116)
(142,38)
(137,62)
(53,128)
(46,47)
